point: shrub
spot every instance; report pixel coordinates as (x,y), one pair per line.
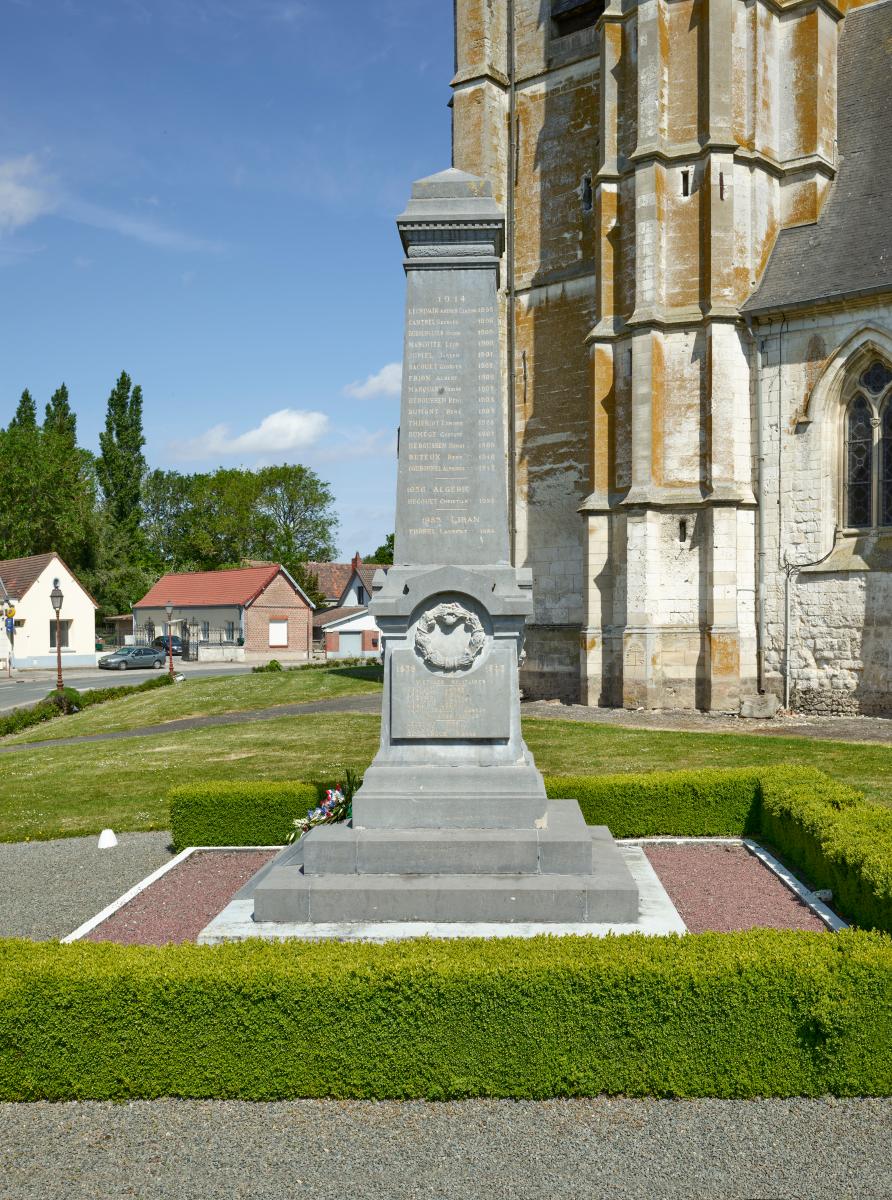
(238,814)
(765,1013)
(681,803)
(840,840)
(263,668)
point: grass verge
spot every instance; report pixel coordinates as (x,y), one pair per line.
(70,790)
(208,697)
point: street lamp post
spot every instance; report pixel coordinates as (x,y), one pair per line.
(168,608)
(56,600)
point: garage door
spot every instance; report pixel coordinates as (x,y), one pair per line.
(351,645)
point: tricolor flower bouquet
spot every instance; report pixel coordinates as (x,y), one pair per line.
(337,806)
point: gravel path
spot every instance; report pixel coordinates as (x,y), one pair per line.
(363,703)
(872,730)
(498,1150)
(47,889)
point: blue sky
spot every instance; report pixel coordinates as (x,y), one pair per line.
(203,193)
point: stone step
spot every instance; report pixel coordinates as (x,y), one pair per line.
(563,846)
(287,895)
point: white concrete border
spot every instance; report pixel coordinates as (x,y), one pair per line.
(818,907)
(89,926)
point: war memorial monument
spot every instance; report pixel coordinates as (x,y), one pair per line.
(452,823)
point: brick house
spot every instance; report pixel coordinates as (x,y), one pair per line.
(249,614)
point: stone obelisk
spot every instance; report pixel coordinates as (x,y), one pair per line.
(452,823)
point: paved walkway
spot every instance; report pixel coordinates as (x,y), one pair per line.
(367,703)
(874,730)
(610,1148)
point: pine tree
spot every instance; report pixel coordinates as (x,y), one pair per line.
(121,465)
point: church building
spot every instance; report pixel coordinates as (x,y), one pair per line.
(697,302)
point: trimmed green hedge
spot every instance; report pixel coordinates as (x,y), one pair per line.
(821,827)
(238,814)
(681,803)
(733,1015)
(839,840)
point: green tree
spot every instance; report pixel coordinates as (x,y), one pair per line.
(167,520)
(121,465)
(309,582)
(25,417)
(384,553)
(23,499)
(69,480)
(295,514)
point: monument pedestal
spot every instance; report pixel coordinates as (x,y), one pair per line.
(452,823)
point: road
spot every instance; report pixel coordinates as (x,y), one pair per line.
(27,687)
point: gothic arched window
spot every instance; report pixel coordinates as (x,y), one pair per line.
(868,450)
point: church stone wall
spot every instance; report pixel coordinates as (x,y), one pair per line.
(840,637)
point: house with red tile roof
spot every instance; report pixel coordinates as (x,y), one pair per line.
(28,627)
(250,614)
(346,584)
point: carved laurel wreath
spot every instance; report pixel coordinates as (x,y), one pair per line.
(446,617)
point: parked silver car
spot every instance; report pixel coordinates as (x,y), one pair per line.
(129,658)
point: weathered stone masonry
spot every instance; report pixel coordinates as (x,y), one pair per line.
(654,155)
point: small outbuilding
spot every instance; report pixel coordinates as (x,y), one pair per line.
(28,635)
(348,632)
(247,614)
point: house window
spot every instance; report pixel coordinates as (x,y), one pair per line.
(278,633)
(64,627)
(205,631)
(360,594)
(230,631)
(868,450)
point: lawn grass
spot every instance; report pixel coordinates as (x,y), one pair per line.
(207,697)
(67,790)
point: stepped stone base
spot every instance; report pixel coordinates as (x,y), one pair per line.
(560,872)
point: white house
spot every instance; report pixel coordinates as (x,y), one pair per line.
(25,587)
(348,632)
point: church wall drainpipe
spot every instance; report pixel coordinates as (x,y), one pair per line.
(511,181)
(757,344)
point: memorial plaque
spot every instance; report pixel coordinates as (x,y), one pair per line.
(473,706)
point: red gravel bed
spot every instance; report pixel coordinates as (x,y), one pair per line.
(714,887)
(176,907)
(725,888)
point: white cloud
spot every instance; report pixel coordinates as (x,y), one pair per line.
(139,228)
(25,193)
(386,382)
(360,443)
(283,431)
